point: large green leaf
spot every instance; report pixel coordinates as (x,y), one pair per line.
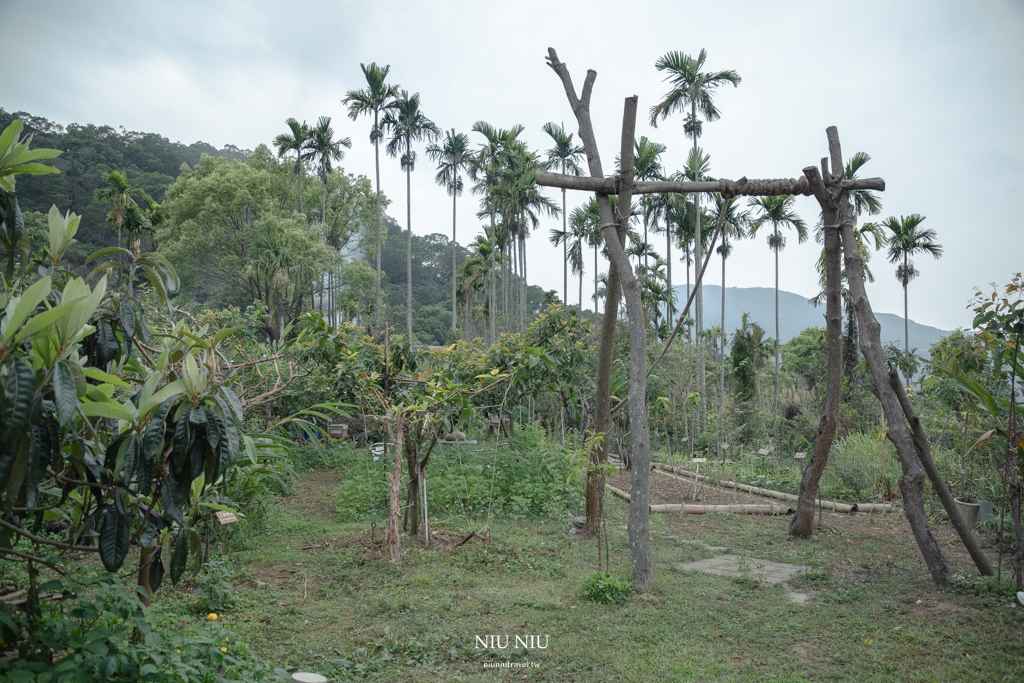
(156,571)
(183,437)
(105,377)
(170,390)
(114,537)
(106,343)
(34,169)
(132,457)
(19,308)
(179,561)
(65,393)
(229,437)
(17,400)
(42,322)
(111,411)
(128,320)
(171,498)
(153,442)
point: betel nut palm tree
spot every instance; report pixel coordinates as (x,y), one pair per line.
(295,140)
(488,162)
(453,158)
(406,123)
(324,150)
(376,98)
(907,238)
(564,155)
(777,211)
(692,94)
(119,192)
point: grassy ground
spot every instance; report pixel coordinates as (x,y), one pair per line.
(317,594)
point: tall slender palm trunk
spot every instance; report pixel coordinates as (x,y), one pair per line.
(668,266)
(408,243)
(455,317)
(698,262)
(906,318)
(565,253)
(581,281)
(523,289)
(376,160)
(492,304)
(595,278)
(721,369)
(778,345)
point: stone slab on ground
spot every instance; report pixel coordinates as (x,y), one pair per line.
(765,571)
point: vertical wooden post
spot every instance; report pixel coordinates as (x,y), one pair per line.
(912,481)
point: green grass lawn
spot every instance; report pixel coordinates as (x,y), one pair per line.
(340,608)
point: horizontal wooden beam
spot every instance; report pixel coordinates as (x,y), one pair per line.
(727,188)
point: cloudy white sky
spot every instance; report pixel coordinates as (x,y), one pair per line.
(932,90)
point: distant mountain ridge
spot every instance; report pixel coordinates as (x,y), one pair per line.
(795,314)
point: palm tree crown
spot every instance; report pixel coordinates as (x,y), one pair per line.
(324,150)
(295,140)
(376,98)
(692,92)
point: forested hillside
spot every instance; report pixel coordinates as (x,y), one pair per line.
(150,160)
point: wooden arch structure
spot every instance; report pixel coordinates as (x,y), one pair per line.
(832,192)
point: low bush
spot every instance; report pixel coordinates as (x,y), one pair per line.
(91,626)
(605,589)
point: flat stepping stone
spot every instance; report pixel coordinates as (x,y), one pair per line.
(764,571)
(705,546)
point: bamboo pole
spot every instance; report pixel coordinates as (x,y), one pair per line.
(826,504)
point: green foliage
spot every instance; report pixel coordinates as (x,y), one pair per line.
(530,479)
(91,152)
(606,589)
(97,630)
(805,355)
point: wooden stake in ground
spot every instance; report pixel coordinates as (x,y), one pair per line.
(613,230)
(802,524)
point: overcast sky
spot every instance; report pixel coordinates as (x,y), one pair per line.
(932,90)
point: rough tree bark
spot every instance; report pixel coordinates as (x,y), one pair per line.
(602,408)
(924,452)
(639,512)
(613,229)
(912,481)
(802,524)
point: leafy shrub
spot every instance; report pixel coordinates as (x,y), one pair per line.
(213,593)
(605,589)
(99,631)
(530,479)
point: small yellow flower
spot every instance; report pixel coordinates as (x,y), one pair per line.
(212,616)
(227,640)
(177,650)
(223,649)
